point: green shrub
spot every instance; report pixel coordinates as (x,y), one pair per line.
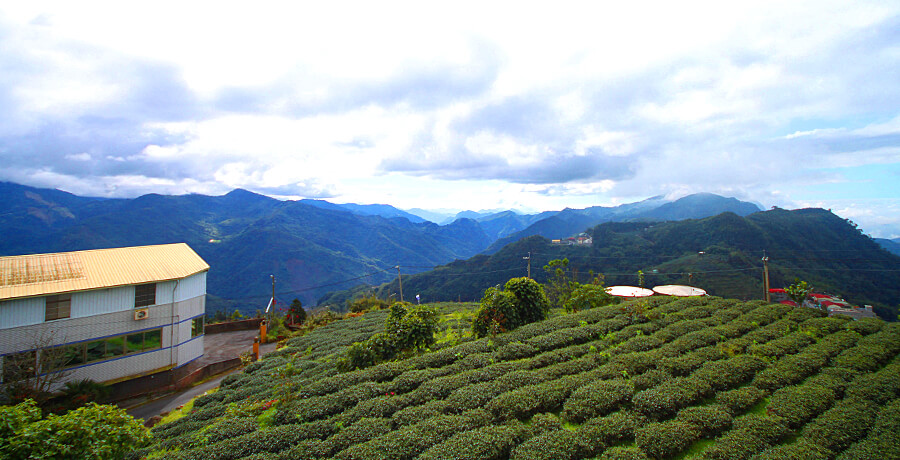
(623,453)
(802,448)
(749,434)
(488,443)
(552,445)
(227,428)
(845,423)
(88,432)
(710,420)
(361,431)
(670,396)
(521,301)
(739,400)
(409,441)
(660,440)
(599,433)
(799,404)
(596,399)
(878,387)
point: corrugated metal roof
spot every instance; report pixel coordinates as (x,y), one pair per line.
(45,274)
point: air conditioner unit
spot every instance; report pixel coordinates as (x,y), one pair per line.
(141,313)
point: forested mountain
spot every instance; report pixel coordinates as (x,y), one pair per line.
(244,237)
(722,254)
(571,221)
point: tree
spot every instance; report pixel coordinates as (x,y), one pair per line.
(296,311)
(799,291)
(521,301)
(38,371)
(559,286)
(90,432)
(586,296)
(236,315)
(406,329)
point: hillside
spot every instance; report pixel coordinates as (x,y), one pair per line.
(572,221)
(722,254)
(244,237)
(662,378)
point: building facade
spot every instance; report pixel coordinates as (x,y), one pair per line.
(107,315)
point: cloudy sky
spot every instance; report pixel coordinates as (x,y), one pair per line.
(478,105)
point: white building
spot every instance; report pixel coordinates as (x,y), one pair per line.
(107,315)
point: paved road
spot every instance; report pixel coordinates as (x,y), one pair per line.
(171,402)
(216,347)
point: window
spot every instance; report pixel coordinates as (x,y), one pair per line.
(58,307)
(144,295)
(197,326)
(153,339)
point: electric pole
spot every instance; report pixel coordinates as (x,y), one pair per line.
(765,260)
(400,282)
(529,263)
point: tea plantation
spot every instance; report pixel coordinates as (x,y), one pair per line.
(663,378)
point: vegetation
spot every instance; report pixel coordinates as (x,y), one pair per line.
(406,329)
(798,291)
(89,432)
(521,301)
(712,377)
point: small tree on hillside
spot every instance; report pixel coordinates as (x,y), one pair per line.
(296,312)
(799,291)
(521,301)
(559,285)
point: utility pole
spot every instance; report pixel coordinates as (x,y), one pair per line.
(400,281)
(529,263)
(765,260)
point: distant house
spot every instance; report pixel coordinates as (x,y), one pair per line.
(107,315)
(833,304)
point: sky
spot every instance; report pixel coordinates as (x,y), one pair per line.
(459,105)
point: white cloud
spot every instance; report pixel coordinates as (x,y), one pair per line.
(439,105)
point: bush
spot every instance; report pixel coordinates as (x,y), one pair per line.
(739,400)
(597,398)
(521,301)
(553,445)
(660,440)
(710,420)
(89,432)
(842,425)
(407,328)
(672,395)
(488,443)
(749,434)
(359,432)
(799,404)
(409,441)
(802,448)
(599,433)
(623,453)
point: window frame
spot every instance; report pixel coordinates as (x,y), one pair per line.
(145,298)
(59,304)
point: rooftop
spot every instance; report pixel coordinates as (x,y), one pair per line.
(46,274)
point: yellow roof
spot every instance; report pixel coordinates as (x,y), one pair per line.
(45,274)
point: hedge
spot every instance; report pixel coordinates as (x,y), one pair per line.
(599,433)
(359,432)
(623,453)
(801,449)
(664,439)
(670,396)
(710,420)
(799,404)
(845,423)
(485,443)
(552,445)
(409,441)
(596,399)
(749,434)
(739,400)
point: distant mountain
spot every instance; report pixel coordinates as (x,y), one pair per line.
(572,221)
(383,210)
(893,246)
(721,254)
(432,216)
(310,247)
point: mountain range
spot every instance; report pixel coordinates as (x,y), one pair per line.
(312,247)
(721,254)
